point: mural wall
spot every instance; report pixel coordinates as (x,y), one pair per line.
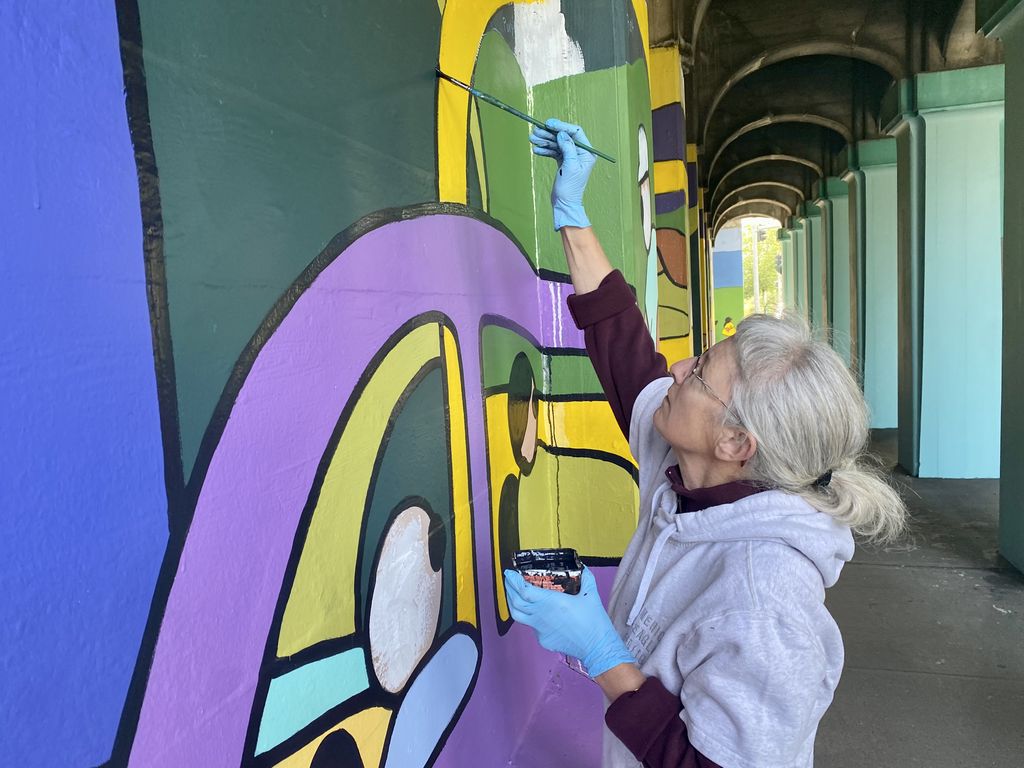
(672,193)
(296,373)
(728,280)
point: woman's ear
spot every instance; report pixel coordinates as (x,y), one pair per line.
(736,445)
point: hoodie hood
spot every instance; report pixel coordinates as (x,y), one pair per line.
(778,517)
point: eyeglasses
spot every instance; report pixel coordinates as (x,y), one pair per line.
(709,390)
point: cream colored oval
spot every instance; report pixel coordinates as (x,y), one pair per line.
(406,600)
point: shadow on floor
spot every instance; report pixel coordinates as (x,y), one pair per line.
(934,634)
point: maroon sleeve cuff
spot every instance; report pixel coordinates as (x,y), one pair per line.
(610,298)
(640,718)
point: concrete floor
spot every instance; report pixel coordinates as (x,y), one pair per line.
(934,634)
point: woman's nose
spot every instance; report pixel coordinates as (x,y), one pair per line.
(682,369)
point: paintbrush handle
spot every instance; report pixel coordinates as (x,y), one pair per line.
(513,111)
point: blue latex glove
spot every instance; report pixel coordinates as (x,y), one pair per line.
(576,625)
(574,165)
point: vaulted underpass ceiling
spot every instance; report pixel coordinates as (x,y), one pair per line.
(776,89)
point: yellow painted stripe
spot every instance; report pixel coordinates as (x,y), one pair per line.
(587,424)
(369,729)
(669,176)
(675,350)
(691,153)
(465,572)
(666,77)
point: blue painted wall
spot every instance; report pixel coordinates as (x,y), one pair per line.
(81,465)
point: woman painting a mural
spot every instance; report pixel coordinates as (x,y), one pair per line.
(716,648)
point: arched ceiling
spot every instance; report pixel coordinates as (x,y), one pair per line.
(775,89)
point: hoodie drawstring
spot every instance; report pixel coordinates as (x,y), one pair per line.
(652,560)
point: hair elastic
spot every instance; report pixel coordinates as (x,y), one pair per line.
(824,480)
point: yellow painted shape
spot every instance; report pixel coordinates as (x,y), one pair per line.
(465,571)
(462,27)
(369,728)
(666,77)
(322,601)
(669,176)
(691,153)
(538,510)
(597,502)
(675,350)
(588,424)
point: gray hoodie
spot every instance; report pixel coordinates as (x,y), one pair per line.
(726,607)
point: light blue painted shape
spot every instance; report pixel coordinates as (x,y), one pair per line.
(431,702)
(651,292)
(83,508)
(962,350)
(841,276)
(299,697)
(727,263)
(881,319)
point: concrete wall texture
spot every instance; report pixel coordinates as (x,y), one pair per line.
(293,373)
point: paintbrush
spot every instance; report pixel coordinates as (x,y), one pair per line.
(512,110)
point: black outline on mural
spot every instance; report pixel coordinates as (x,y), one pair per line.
(375,695)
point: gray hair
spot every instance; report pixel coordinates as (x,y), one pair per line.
(795,395)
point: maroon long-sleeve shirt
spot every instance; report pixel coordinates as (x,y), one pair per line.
(646,720)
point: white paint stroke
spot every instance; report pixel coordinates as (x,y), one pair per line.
(544,49)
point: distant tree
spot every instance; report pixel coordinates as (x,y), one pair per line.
(762,233)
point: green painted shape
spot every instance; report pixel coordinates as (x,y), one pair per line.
(572,375)
(881,318)
(613,199)
(415,462)
(996,17)
(269,138)
(499,347)
(960,404)
(834,187)
(960,88)
(728,303)
(876,152)
(508,169)
(297,698)
(1011,484)
(800,266)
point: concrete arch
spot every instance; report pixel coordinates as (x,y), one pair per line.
(698,20)
(766,183)
(821,47)
(755,209)
(793,159)
(767,201)
(767,120)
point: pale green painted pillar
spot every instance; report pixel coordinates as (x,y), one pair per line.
(949,139)
(1007,23)
(788,277)
(815,266)
(837,274)
(800,265)
(881,319)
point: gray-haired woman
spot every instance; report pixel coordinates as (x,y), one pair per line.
(717,648)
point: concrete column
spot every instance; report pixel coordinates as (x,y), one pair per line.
(788,284)
(835,216)
(949,143)
(1007,22)
(800,265)
(873,209)
(815,266)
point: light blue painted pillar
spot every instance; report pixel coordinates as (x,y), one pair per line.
(815,266)
(949,139)
(835,225)
(877,177)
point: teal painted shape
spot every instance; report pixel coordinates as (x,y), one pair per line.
(297,698)
(800,266)
(275,126)
(959,88)
(962,331)
(881,317)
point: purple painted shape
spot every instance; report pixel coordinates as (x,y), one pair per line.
(218,616)
(668,133)
(667,202)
